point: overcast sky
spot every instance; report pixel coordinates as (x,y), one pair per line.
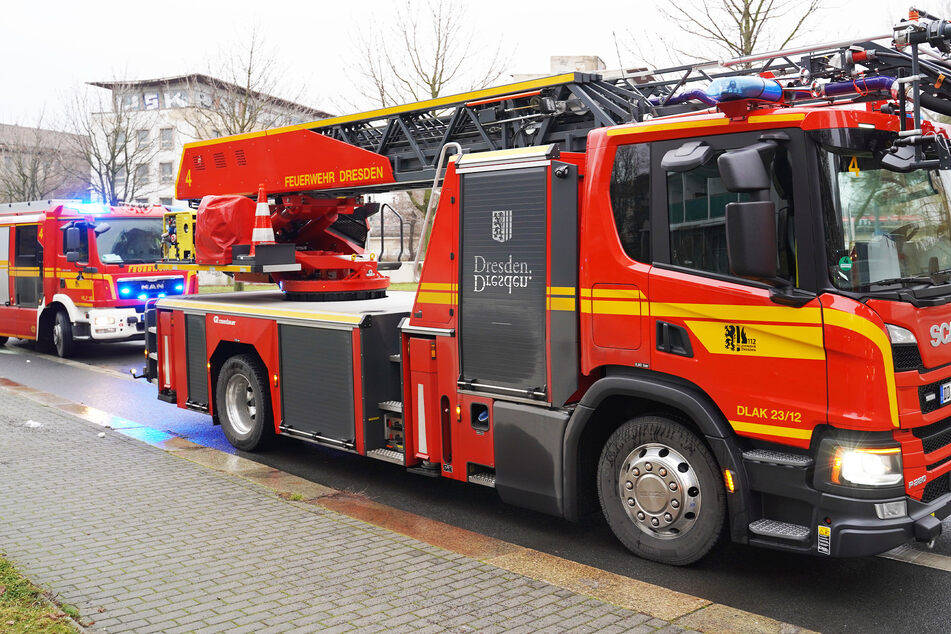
(49,48)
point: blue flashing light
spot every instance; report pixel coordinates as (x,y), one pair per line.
(90,208)
(734,88)
(161,294)
(125,290)
(179,287)
(143,297)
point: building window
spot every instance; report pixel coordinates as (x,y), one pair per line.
(165,202)
(166,139)
(130,101)
(165,173)
(630,200)
(141,175)
(215,134)
(120,177)
(141,137)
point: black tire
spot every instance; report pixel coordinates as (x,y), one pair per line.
(243,403)
(4,340)
(63,341)
(669,503)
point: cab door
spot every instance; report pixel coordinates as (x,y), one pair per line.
(4,266)
(27,276)
(762,361)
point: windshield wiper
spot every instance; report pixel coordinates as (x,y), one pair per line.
(911,279)
(946,273)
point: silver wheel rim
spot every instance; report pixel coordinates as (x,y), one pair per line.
(660,491)
(58,335)
(239,403)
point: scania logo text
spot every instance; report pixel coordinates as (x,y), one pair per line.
(940,333)
(223,321)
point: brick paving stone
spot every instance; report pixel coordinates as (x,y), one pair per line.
(162,544)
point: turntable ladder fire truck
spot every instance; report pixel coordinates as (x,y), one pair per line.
(698,309)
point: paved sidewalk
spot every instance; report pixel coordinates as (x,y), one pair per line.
(141,540)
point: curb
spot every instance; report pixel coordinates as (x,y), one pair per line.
(682,610)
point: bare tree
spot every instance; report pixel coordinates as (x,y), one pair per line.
(426,51)
(113,152)
(237,96)
(726,28)
(32,163)
(743,27)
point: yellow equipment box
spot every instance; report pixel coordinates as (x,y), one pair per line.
(178,236)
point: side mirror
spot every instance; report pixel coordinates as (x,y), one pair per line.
(101,228)
(688,156)
(71,245)
(744,170)
(72,239)
(751,239)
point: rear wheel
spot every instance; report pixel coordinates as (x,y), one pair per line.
(660,491)
(63,341)
(243,403)
(3,340)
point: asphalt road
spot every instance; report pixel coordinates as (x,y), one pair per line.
(871,594)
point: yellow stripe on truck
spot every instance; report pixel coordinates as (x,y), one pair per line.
(771,430)
(878,337)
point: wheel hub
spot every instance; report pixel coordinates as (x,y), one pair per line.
(659,490)
(239,400)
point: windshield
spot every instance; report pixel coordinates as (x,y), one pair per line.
(130,241)
(883,228)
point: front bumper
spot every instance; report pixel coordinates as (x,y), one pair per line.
(109,324)
(857,531)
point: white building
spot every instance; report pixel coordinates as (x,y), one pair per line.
(172,111)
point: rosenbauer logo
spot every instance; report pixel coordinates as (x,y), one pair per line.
(223,321)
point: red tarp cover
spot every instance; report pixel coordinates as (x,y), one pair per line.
(223,221)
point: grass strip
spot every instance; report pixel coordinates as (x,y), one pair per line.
(26,609)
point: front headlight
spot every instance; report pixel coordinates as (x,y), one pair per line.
(859,464)
(104,321)
(866,466)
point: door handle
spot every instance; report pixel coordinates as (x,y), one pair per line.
(673,339)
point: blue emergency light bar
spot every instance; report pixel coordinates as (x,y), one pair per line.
(734,88)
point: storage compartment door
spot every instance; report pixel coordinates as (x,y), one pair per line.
(317,396)
(504,270)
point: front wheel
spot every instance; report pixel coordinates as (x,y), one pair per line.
(660,491)
(63,341)
(243,403)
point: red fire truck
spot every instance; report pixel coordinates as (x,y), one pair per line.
(697,310)
(79,271)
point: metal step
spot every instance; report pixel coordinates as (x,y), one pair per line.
(387,455)
(391,406)
(153,355)
(153,330)
(396,358)
(778,457)
(780,530)
(484,478)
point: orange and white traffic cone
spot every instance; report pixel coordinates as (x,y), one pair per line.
(263,232)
